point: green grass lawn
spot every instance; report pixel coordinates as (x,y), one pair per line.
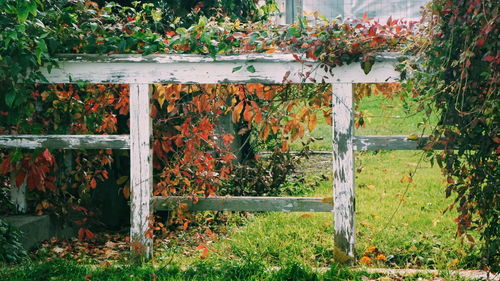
(384,117)
(404,221)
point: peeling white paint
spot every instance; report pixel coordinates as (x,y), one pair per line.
(269,68)
(343,168)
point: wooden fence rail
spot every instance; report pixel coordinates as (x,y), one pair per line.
(142,71)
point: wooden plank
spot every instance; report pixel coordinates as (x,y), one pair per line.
(363,143)
(343,168)
(192,69)
(141,168)
(246,204)
(391,143)
(123,142)
(65,141)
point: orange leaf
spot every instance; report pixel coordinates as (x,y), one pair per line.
(284,146)
(237,112)
(126,192)
(171,106)
(312,122)
(265,133)
(248,114)
(407,179)
(204,251)
(258,117)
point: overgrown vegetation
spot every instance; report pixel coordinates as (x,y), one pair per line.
(11,250)
(459,76)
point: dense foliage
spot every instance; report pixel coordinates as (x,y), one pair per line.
(192,156)
(11,249)
(460,60)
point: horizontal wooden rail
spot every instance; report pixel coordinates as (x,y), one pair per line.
(123,142)
(391,143)
(247,204)
(65,141)
(193,69)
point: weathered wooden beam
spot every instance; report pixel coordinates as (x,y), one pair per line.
(123,142)
(246,204)
(343,168)
(141,168)
(65,141)
(192,69)
(391,143)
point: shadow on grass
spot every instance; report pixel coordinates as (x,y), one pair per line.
(60,269)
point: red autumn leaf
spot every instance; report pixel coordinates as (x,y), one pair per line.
(480,42)
(47,156)
(93,183)
(5,166)
(89,234)
(227,138)
(204,251)
(21,176)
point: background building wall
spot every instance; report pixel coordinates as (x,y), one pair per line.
(382,9)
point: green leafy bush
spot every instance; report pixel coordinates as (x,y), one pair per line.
(459,75)
(271,175)
(11,250)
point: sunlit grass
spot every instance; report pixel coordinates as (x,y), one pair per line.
(403,220)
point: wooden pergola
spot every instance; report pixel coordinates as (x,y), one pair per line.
(143,71)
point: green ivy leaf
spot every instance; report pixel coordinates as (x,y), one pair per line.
(9,98)
(293,32)
(251,68)
(237,68)
(42,49)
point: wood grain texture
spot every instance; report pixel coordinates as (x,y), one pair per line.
(343,168)
(190,69)
(246,204)
(391,143)
(65,141)
(141,168)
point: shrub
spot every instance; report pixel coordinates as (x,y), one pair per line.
(11,250)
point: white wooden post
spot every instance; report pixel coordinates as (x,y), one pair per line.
(18,194)
(343,168)
(141,168)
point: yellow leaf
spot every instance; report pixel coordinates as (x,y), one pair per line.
(327,200)
(160,94)
(365,223)
(412,137)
